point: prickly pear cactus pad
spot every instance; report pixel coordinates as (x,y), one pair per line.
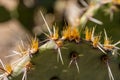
(90,63)
(71,55)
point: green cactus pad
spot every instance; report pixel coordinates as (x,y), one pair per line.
(46,66)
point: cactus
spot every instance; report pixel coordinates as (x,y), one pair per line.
(88,58)
(71,56)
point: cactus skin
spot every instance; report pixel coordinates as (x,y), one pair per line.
(91,67)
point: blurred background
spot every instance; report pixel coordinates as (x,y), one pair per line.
(19,18)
